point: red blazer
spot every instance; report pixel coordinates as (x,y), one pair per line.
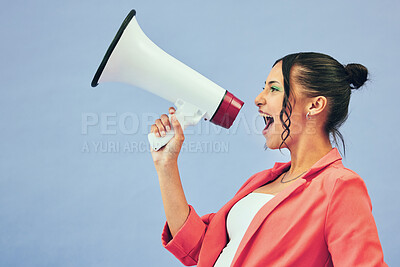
(322,219)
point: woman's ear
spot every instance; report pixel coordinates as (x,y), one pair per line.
(317,105)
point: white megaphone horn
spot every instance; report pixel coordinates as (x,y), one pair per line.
(134,59)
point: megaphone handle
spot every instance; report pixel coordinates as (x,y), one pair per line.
(184,109)
(158,142)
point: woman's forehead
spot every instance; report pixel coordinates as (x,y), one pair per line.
(275,75)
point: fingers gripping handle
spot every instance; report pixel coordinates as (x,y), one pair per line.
(158,142)
(186,113)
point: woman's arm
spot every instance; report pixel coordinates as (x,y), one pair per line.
(184,231)
(174,200)
(165,160)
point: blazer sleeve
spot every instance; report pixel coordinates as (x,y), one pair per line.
(186,243)
(350,228)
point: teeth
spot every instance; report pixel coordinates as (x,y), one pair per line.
(265,115)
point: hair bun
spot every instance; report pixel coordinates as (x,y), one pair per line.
(357,75)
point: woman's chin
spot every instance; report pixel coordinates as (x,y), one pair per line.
(273,144)
(270,145)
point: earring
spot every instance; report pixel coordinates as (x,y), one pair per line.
(307,116)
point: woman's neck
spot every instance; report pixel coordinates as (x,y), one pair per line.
(306,153)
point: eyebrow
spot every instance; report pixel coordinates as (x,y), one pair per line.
(271,82)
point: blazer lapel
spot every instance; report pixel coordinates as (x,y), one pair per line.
(216,240)
(263,213)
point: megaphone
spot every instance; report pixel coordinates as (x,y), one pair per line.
(134,59)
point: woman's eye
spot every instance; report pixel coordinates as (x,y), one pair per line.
(274,88)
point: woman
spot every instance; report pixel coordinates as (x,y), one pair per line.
(311,211)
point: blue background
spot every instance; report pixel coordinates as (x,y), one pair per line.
(64,203)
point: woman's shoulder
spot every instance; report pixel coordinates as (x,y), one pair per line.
(339,171)
(339,176)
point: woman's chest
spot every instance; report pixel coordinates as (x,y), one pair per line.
(273,187)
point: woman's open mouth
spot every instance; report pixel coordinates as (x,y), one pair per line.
(269,120)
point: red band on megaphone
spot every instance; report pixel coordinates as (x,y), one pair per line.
(227,110)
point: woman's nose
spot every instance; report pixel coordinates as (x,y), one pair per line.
(259,101)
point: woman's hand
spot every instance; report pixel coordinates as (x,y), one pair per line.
(169,153)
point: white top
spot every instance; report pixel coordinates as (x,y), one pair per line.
(237,222)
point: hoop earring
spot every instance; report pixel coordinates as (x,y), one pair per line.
(307,116)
